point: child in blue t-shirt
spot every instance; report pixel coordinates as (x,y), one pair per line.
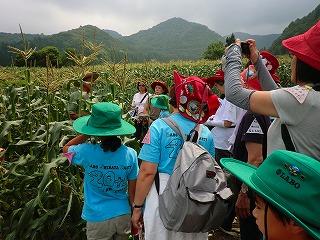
(110,171)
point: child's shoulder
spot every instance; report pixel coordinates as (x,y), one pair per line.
(127,149)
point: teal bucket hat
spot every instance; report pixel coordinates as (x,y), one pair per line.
(160,101)
(289,181)
(105,120)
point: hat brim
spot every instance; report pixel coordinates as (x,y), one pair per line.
(80,126)
(211,81)
(245,173)
(89,77)
(298,46)
(154,102)
(272,59)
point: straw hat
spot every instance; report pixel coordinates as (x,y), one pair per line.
(160,83)
(90,76)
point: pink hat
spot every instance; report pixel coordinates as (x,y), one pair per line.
(306,46)
(195,99)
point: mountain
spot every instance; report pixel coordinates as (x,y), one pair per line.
(263,41)
(294,28)
(175,38)
(68,39)
(113,34)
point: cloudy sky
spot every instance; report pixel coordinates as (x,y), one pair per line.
(130,16)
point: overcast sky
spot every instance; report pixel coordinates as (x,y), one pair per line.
(130,16)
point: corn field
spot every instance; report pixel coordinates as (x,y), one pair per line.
(40,194)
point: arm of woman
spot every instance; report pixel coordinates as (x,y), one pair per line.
(257,101)
(131,190)
(144,182)
(264,76)
(74,141)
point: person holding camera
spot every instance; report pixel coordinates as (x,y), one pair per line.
(296,109)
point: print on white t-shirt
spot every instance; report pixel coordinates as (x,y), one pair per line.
(255,127)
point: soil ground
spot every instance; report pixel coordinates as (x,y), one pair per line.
(220,235)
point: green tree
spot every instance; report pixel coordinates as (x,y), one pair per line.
(50,51)
(230,40)
(214,51)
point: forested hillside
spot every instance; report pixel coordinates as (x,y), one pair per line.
(296,27)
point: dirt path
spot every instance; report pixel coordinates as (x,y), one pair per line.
(218,235)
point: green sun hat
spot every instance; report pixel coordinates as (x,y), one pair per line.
(105,120)
(160,101)
(288,180)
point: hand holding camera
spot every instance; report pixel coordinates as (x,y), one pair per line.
(245,49)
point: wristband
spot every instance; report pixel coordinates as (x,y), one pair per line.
(137,206)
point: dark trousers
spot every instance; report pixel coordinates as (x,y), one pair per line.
(141,129)
(227,224)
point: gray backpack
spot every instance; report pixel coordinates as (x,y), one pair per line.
(194,199)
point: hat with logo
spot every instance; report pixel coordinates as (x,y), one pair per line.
(306,46)
(160,101)
(105,120)
(195,100)
(283,180)
(218,76)
(160,83)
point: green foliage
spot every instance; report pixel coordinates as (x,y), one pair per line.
(51,52)
(230,40)
(296,27)
(214,51)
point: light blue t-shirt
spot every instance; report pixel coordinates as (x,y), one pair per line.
(106,176)
(161,143)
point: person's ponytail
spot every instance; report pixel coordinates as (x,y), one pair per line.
(110,143)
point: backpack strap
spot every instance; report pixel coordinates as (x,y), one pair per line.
(193,135)
(144,97)
(286,138)
(174,126)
